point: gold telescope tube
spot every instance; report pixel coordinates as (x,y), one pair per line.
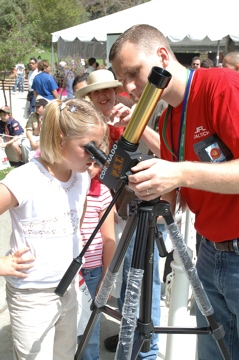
(158,80)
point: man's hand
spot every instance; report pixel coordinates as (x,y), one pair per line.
(153,178)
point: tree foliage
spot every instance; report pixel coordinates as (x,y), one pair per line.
(15,44)
(24,23)
(99,8)
(12,12)
(49,16)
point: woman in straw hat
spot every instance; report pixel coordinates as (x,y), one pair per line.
(102,89)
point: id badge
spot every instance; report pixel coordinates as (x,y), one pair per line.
(212,149)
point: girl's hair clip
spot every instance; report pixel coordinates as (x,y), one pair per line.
(63,105)
(72,108)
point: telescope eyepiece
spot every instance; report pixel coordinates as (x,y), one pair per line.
(96,154)
(159,77)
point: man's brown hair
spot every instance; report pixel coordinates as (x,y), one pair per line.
(145,37)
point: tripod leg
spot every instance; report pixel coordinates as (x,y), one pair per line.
(132,295)
(138,343)
(142,259)
(87,333)
(145,313)
(129,315)
(107,283)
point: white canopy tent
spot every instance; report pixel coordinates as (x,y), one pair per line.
(185,24)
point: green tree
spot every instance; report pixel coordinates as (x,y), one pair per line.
(12,12)
(49,16)
(14,46)
(99,8)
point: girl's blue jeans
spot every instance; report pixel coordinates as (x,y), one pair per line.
(92,278)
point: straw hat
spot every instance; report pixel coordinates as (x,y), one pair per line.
(98,80)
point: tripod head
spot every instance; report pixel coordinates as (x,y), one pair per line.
(123,154)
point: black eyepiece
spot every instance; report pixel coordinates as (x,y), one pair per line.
(99,156)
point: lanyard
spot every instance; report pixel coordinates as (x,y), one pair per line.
(182,129)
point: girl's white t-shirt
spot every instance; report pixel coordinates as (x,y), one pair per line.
(47,220)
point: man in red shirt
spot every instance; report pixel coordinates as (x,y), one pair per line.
(199,151)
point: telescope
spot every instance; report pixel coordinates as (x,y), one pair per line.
(123,154)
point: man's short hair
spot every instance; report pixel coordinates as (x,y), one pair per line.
(34,59)
(139,35)
(207,63)
(79,78)
(91,61)
(196,58)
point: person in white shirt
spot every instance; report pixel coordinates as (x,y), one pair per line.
(32,73)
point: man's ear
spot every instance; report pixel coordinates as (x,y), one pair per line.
(162,52)
(237,67)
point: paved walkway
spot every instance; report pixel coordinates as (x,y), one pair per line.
(109,326)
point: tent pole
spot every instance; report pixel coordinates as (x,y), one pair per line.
(218,52)
(52,58)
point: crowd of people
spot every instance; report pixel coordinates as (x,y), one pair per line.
(54,215)
(43,86)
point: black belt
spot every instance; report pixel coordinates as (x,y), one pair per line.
(228,245)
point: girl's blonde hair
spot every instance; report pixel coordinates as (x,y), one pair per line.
(70,119)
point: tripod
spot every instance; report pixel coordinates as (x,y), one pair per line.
(139,286)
